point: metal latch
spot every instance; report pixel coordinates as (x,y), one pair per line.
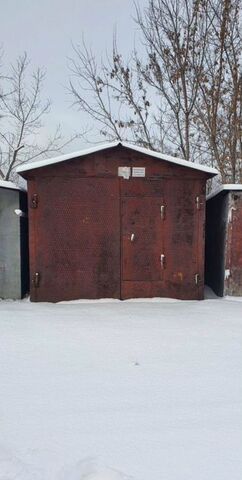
(162,261)
(198,203)
(36,279)
(34,201)
(162,212)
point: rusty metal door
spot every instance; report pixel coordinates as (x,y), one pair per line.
(75,239)
(142,239)
(184,240)
(163,243)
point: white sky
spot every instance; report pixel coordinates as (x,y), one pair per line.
(46,28)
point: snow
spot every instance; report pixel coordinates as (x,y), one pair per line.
(226,187)
(110,390)
(20,213)
(145,151)
(10,185)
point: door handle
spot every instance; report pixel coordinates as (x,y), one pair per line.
(132,237)
(162,261)
(162,212)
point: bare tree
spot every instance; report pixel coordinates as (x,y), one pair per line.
(23,110)
(218,109)
(175,34)
(149,101)
(113,94)
(182,93)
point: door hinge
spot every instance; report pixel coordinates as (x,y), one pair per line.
(34,201)
(198,203)
(197,279)
(162,212)
(36,279)
(162,261)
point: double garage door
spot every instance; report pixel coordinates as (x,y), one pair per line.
(114,238)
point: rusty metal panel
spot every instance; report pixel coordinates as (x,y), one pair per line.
(143,289)
(184,239)
(106,163)
(76,239)
(143,187)
(165,257)
(142,239)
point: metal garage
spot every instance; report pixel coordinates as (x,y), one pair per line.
(14,274)
(116,221)
(224,240)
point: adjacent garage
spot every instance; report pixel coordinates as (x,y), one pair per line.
(14,274)
(116,221)
(224,240)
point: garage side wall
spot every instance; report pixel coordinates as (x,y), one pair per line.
(24,243)
(233,267)
(10,275)
(215,249)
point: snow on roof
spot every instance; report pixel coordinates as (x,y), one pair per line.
(81,153)
(226,187)
(10,185)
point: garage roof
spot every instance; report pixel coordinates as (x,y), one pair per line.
(227,187)
(145,151)
(10,185)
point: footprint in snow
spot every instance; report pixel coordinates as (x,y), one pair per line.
(90,469)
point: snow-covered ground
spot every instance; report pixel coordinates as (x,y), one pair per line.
(145,390)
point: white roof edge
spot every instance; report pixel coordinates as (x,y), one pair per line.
(145,151)
(10,185)
(225,187)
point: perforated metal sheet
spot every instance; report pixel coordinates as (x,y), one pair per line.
(77,236)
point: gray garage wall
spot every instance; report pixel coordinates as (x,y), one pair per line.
(10,268)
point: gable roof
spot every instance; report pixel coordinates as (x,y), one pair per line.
(145,151)
(10,185)
(228,187)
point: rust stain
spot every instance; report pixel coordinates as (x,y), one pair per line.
(178,276)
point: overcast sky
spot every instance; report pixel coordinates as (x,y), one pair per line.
(45,30)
